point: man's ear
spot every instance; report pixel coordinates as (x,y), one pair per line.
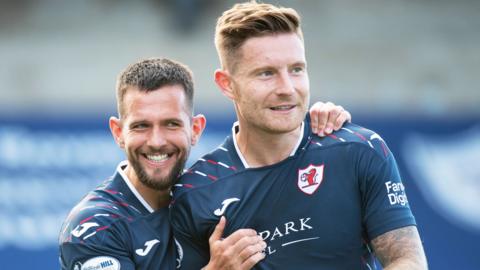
(116,129)
(224,82)
(198,125)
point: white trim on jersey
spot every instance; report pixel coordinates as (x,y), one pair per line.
(234,131)
(242,158)
(131,187)
(300,138)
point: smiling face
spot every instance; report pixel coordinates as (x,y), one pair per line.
(156,132)
(270,86)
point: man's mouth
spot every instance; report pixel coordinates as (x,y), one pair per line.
(282,107)
(157,157)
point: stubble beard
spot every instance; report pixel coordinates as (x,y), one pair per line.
(257,117)
(277,126)
(160,184)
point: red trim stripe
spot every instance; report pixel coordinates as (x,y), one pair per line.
(102,228)
(85,220)
(360,135)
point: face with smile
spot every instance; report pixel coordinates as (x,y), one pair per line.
(269,86)
(156,132)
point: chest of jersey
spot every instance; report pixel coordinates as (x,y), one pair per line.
(152,245)
(305,208)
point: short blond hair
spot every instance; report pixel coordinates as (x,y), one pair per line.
(247,20)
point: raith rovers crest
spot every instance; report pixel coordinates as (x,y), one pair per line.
(309,178)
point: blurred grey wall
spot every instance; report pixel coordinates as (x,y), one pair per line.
(373,57)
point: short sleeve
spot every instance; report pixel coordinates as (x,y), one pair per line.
(74,255)
(384,200)
(88,240)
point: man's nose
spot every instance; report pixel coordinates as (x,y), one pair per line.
(156,138)
(285,84)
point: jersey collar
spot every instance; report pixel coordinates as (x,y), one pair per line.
(121,171)
(235,129)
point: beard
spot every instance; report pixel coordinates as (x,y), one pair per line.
(161,184)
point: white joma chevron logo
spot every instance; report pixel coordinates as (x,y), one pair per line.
(220,211)
(148,246)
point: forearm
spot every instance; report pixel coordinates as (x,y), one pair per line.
(400,249)
(402,264)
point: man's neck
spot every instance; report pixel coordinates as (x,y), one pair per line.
(261,148)
(155,198)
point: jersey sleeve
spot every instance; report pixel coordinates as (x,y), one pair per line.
(194,253)
(91,241)
(384,201)
(77,255)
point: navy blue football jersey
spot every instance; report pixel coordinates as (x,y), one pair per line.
(317,209)
(113,228)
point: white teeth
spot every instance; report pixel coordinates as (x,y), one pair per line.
(286,107)
(157,158)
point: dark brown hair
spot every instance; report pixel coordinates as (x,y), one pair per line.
(150,75)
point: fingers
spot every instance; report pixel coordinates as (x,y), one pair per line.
(241,250)
(317,118)
(319,115)
(238,237)
(218,232)
(247,251)
(334,115)
(248,246)
(252,260)
(327,117)
(342,118)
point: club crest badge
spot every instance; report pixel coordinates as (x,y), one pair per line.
(309,178)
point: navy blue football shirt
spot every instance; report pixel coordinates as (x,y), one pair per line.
(113,228)
(317,209)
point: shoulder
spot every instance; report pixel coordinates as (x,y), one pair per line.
(95,219)
(207,169)
(356,137)
(94,231)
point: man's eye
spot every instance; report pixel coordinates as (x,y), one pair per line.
(139,126)
(173,124)
(297,70)
(265,73)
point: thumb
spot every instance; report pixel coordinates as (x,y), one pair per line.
(218,232)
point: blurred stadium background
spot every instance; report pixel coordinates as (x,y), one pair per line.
(409,70)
